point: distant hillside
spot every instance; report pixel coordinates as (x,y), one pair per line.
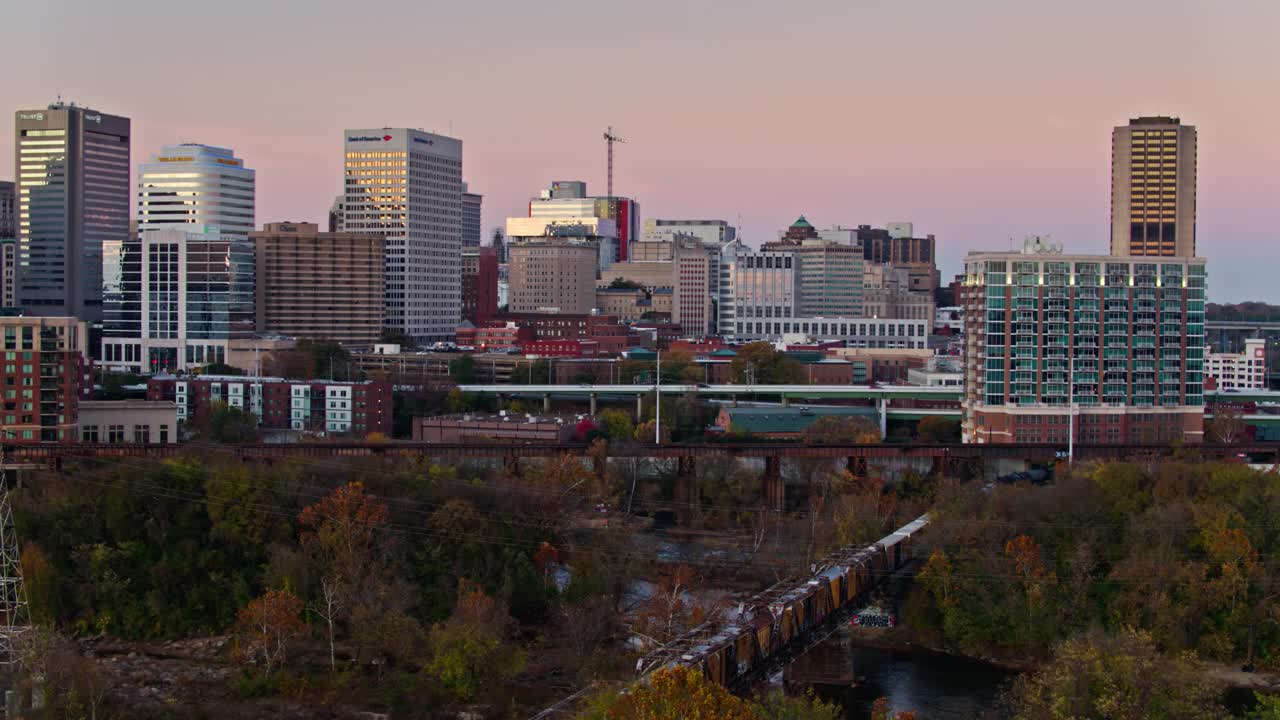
(1247,311)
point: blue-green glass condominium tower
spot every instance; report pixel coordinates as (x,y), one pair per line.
(1090,348)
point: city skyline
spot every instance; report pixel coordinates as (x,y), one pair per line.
(978,124)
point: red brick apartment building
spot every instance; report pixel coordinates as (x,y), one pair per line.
(333,407)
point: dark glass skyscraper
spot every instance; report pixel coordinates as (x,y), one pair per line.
(73,179)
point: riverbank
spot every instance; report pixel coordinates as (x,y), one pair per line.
(900,639)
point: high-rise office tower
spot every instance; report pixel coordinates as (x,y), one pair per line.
(8,246)
(406,186)
(73,196)
(470,218)
(1153,188)
(207,196)
(194,184)
(828,273)
(8,210)
(318,285)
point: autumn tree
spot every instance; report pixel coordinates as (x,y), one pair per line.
(1121,677)
(880,710)
(1227,425)
(839,429)
(470,650)
(67,683)
(345,537)
(265,627)
(670,610)
(676,692)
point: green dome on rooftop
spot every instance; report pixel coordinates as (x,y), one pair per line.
(802,223)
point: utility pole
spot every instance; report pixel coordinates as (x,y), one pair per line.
(610,139)
(657,403)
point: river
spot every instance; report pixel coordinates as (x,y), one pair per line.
(937,687)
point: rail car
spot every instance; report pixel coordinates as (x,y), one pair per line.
(766,625)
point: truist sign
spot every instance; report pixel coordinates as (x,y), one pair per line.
(368,138)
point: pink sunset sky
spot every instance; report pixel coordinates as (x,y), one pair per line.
(978,121)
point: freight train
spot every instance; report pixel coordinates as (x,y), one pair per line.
(770,628)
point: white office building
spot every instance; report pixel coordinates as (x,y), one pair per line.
(712,233)
(196,185)
(170,293)
(1246,370)
(406,186)
(762,289)
(195,291)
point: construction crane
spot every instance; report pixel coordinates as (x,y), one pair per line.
(610,139)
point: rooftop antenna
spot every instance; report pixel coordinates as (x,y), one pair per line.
(610,139)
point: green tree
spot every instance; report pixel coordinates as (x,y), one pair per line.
(537,372)
(935,429)
(1268,708)
(455,402)
(222,369)
(780,706)
(760,364)
(1121,677)
(462,370)
(329,359)
(226,424)
(617,424)
(469,651)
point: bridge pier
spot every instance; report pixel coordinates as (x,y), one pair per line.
(511,463)
(775,491)
(546,402)
(938,465)
(786,401)
(593,404)
(639,408)
(688,496)
(857,466)
(882,405)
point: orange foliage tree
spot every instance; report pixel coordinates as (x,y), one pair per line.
(676,692)
(345,537)
(264,628)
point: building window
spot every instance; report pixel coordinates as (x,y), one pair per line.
(115,434)
(89,433)
(142,434)
(164,434)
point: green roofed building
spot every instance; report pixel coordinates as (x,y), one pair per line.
(784,423)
